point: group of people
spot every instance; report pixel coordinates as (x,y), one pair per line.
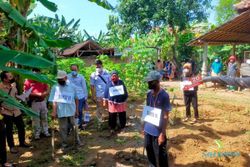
(69,99)
(217,67)
(166,68)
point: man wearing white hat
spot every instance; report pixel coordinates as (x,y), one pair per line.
(65,106)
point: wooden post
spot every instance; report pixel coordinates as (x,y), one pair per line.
(234,49)
(204,59)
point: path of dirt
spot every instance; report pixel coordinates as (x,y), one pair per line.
(224,127)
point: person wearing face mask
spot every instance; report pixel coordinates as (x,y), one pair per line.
(65,107)
(115,97)
(38,101)
(12,115)
(82,93)
(216,69)
(232,70)
(155,140)
(98,82)
(190,95)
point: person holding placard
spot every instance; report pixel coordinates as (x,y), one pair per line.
(190,95)
(65,106)
(115,97)
(155,118)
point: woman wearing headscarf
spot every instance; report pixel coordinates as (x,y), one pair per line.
(232,70)
(216,68)
(115,97)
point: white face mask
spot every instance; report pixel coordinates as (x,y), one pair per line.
(185,70)
(216,60)
(99,70)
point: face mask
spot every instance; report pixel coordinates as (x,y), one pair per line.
(74,73)
(12,80)
(115,79)
(216,60)
(61,82)
(99,70)
(185,72)
(152,85)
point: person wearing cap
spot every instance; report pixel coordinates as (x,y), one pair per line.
(98,82)
(190,95)
(10,114)
(38,101)
(65,106)
(232,69)
(82,93)
(155,134)
(232,66)
(115,97)
(216,69)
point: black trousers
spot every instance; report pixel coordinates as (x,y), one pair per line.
(3,153)
(157,154)
(191,97)
(113,119)
(18,121)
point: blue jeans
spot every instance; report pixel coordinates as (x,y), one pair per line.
(81,106)
(157,154)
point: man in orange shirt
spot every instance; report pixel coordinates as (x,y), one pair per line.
(38,104)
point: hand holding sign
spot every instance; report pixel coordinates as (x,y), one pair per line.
(193,82)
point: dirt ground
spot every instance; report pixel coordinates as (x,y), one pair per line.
(221,138)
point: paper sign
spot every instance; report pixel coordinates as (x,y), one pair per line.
(63,97)
(116,90)
(151,115)
(193,82)
(186,85)
(25,95)
(86,117)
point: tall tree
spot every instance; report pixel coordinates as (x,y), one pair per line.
(144,15)
(225,11)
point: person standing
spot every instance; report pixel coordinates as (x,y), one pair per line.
(3,153)
(12,115)
(232,70)
(82,93)
(65,106)
(216,69)
(190,95)
(98,82)
(155,136)
(115,97)
(38,104)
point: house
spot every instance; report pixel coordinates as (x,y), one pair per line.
(87,48)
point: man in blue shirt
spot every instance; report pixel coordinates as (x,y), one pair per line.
(82,93)
(65,106)
(98,82)
(155,136)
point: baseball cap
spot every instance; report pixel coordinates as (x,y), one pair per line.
(61,74)
(153,75)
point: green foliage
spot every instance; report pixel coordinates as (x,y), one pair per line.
(144,15)
(225,11)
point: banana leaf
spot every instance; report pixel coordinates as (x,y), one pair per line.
(61,43)
(49,5)
(10,101)
(23,58)
(103,3)
(29,74)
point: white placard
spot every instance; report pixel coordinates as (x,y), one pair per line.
(86,117)
(151,115)
(116,90)
(186,83)
(63,97)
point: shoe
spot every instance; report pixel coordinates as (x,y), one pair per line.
(185,119)
(13,150)
(194,120)
(37,137)
(47,134)
(25,145)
